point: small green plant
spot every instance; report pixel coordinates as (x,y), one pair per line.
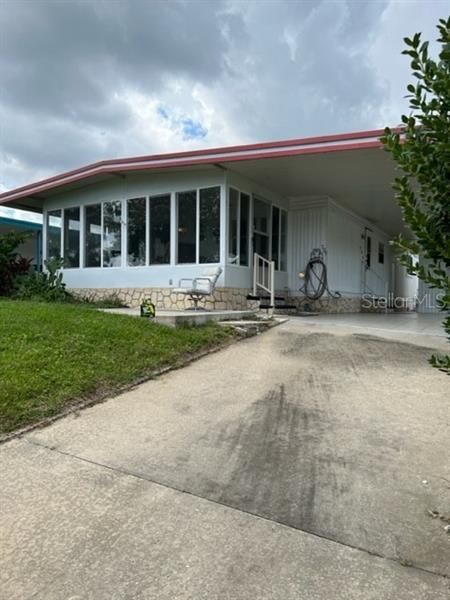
(46,286)
(421,149)
(12,264)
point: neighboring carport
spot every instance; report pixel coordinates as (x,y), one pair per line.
(32,247)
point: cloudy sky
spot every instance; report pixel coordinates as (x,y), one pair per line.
(86,80)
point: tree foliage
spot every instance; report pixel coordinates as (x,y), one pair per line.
(12,264)
(421,148)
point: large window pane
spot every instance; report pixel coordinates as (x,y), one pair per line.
(275,235)
(136,226)
(283,241)
(210,225)
(261,216)
(72,237)
(92,235)
(233,226)
(187,226)
(53,234)
(160,230)
(243,246)
(112,234)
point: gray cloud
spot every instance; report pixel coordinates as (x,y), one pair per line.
(86,80)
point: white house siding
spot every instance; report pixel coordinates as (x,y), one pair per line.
(347,255)
(307,230)
(345,252)
(347,271)
(322,223)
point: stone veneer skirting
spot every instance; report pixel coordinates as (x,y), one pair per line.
(224,299)
(165,298)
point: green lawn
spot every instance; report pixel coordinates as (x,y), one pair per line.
(54,354)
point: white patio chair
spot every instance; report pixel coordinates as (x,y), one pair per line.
(199,287)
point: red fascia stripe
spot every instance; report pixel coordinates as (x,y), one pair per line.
(111,166)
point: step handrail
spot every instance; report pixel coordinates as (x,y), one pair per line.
(264,276)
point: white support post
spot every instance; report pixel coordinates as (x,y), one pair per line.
(255,266)
(272,283)
(173,229)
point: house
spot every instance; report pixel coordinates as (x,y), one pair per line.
(136,226)
(32,247)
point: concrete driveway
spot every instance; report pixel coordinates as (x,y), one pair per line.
(297,465)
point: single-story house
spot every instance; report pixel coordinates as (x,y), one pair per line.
(32,247)
(137,226)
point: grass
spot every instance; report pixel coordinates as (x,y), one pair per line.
(52,355)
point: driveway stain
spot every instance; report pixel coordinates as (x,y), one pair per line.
(271,464)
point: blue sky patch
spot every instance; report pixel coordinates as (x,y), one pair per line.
(163,112)
(190,128)
(193,129)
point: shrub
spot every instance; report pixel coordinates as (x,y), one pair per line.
(422,152)
(47,285)
(12,264)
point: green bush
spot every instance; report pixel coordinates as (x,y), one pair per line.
(421,149)
(12,264)
(46,286)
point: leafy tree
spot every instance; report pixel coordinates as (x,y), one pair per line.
(421,148)
(12,264)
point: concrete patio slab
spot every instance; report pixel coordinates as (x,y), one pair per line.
(412,328)
(174,318)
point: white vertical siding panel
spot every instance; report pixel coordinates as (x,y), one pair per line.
(307,230)
(345,248)
(346,256)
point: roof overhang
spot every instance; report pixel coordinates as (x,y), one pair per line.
(351,168)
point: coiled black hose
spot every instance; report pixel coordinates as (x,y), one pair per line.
(315,277)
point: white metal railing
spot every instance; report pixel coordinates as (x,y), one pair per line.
(264,276)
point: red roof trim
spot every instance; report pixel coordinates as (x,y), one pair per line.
(330,143)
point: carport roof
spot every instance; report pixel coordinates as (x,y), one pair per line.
(351,168)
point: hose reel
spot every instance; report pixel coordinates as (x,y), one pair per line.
(315,277)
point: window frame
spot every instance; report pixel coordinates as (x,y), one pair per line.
(368,251)
(381,252)
(61,232)
(84,220)
(146,233)
(197,224)
(149,227)
(249,195)
(285,212)
(281,211)
(199,213)
(172,195)
(123,232)
(177,220)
